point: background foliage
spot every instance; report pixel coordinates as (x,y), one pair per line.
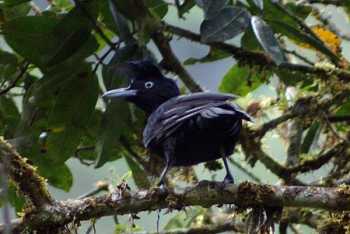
(58,57)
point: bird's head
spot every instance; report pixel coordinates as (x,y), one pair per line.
(147,88)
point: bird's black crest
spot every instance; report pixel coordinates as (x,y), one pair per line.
(145,69)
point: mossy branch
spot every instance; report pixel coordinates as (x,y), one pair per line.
(25,176)
(205,194)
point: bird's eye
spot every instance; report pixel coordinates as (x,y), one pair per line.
(149,84)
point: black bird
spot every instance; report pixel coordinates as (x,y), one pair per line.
(183,129)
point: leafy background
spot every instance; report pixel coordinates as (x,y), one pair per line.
(57,112)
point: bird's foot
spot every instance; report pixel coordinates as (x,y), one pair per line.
(163,188)
(228,179)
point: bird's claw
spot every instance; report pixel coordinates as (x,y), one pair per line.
(162,187)
(228,180)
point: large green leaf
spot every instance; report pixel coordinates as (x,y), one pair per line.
(70,113)
(47,40)
(10,9)
(212,8)
(61,103)
(267,40)
(58,175)
(241,80)
(228,23)
(26,36)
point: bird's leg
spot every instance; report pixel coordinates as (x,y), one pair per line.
(165,171)
(228,177)
(168,148)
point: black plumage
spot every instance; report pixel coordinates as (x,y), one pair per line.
(183,129)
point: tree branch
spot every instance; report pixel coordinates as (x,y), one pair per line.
(328,2)
(25,176)
(342,118)
(314,164)
(258,58)
(205,194)
(172,61)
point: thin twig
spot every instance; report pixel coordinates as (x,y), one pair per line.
(299,56)
(340,118)
(328,2)
(248,173)
(13,84)
(101,59)
(94,24)
(100,187)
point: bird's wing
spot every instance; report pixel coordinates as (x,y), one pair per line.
(173,113)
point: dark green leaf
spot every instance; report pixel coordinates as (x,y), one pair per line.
(113,126)
(267,40)
(213,55)
(249,41)
(60,103)
(185,7)
(8,66)
(71,113)
(26,36)
(241,80)
(9,12)
(212,8)
(310,137)
(139,176)
(15,199)
(9,117)
(291,78)
(344,109)
(230,22)
(58,175)
(347,8)
(119,22)
(10,3)
(300,10)
(62,38)
(157,7)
